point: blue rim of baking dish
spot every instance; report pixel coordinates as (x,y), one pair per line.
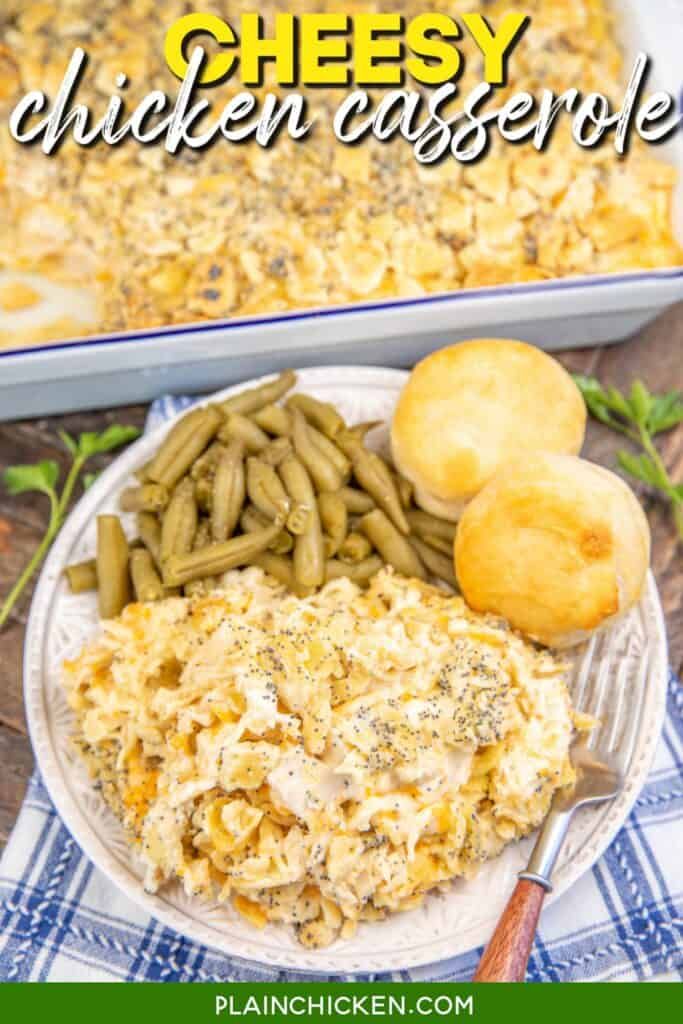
(178,331)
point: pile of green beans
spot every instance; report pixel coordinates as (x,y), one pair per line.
(286,487)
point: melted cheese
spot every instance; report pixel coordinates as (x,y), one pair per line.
(320,760)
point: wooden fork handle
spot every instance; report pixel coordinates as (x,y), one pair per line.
(505,958)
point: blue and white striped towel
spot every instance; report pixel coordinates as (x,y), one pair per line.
(61,920)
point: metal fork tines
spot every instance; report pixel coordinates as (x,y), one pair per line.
(609,684)
(613,676)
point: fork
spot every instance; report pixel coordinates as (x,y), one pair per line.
(601,761)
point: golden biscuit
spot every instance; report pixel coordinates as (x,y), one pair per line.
(556,545)
(467,410)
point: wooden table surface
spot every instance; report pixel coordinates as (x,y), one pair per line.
(655,355)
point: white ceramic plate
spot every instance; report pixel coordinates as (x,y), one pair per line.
(447,924)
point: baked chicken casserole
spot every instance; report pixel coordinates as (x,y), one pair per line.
(240,230)
(325,760)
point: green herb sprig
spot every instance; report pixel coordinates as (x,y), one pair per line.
(43,478)
(640,416)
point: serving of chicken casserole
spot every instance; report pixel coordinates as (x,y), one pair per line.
(325,760)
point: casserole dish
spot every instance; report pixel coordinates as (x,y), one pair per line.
(138,365)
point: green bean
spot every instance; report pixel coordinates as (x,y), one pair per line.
(361,573)
(82,576)
(274,420)
(283,543)
(424,524)
(249,401)
(203,493)
(392,546)
(360,430)
(240,428)
(436,563)
(357,502)
(297,520)
(252,520)
(301,508)
(146,580)
(309,554)
(375,477)
(330,451)
(179,524)
(145,498)
(218,558)
(185,443)
(323,472)
(276,451)
(112,567)
(265,490)
(206,464)
(405,490)
(328,547)
(202,538)
(277,566)
(202,535)
(281,569)
(440,543)
(355,548)
(319,414)
(199,588)
(149,529)
(229,491)
(335,521)
(141,473)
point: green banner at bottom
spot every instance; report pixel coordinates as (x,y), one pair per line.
(317,1001)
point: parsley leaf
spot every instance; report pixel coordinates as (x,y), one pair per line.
(666,412)
(43,477)
(639,466)
(69,442)
(113,437)
(640,416)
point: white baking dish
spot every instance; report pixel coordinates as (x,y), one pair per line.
(571,312)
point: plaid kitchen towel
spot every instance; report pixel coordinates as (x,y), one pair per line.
(61,920)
